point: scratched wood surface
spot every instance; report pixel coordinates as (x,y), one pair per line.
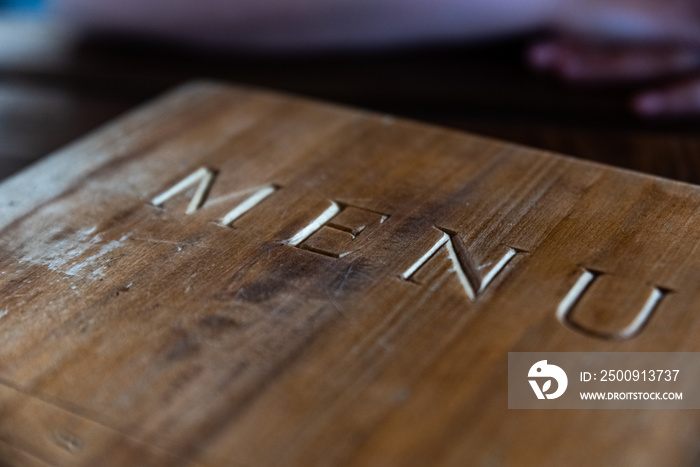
(230,277)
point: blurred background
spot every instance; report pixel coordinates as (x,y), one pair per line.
(57,84)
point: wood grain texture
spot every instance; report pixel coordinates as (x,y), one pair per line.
(313,329)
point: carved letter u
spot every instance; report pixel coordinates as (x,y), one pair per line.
(584,282)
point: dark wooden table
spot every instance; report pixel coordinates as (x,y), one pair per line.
(238,278)
(55,87)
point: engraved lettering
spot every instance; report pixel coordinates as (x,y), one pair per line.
(204,176)
(249,203)
(316,224)
(333,232)
(462,264)
(582,285)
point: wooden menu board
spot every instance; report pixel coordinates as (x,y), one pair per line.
(231,277)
